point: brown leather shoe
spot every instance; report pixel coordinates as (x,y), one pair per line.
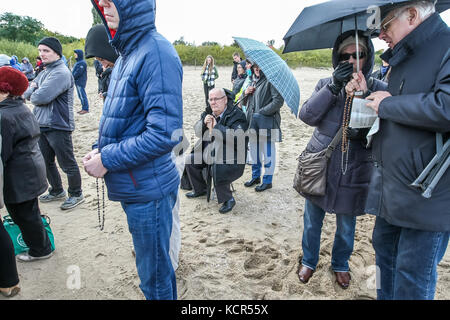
(343,279)
(304,274)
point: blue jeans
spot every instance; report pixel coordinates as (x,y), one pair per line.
(343,239)
(268,153)
(407,260)
(83,98)
(150,225)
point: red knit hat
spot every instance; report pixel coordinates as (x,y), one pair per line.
(12,81)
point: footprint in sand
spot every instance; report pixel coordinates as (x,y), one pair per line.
(262,263)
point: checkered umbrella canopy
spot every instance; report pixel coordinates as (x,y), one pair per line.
(275,69)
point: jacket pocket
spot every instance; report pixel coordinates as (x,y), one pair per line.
(418,162)
(422,156)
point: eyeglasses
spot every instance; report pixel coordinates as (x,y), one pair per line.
(385,26)
(346,56)
(211,100)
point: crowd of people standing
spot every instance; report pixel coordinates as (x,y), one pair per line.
(134,151)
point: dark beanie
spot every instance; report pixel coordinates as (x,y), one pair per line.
(97,44)
(53,44)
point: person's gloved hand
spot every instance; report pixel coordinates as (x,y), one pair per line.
(341,74)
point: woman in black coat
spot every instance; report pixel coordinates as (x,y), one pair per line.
(24,168)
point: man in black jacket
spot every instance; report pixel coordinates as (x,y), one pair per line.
(225,128)
(411,233)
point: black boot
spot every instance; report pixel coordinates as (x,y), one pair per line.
(252,182)
(263,187)
(227,206)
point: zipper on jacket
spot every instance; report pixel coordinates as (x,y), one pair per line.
(401,87)
(132,178)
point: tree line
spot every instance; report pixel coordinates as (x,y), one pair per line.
(20,34)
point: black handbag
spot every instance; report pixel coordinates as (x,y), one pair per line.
(311,175)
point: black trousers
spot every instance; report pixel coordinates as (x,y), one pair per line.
(207,89)
(8,269)
(28,217)
(58,143)
(195,175)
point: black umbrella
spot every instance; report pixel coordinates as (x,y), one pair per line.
(318,26)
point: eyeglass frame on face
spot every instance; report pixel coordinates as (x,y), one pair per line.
(385,26)
(215,99)
(362,55)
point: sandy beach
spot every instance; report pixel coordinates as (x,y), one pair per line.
(250,253)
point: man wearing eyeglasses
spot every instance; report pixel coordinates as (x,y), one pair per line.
(223,130)
(411,233)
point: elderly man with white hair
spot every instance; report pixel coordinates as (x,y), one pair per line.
(222,130)
(411,232)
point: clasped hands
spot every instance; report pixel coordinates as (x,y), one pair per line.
(93,165)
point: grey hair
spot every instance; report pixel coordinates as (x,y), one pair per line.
(424,8)
(221,90)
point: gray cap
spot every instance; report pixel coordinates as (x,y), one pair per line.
(4,60)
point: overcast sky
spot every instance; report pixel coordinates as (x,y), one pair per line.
(196,20)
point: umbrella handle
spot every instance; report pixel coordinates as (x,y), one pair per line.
(357,44)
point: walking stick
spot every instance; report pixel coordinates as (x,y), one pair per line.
(433,172)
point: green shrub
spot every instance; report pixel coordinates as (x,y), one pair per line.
(189,54)
(22,49)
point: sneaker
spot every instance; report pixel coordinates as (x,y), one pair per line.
(25,257)
(72,202)
(50,197)
(83,112)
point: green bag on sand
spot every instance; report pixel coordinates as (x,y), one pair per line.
(16,234)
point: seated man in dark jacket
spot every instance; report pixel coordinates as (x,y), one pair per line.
(226,128)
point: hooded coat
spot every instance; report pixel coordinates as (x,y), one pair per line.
(143,108)
(405,143)
(27,69)
(265,101)
(24,168)
(79,70)
(345,194)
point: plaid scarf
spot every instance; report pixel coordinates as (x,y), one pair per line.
(209,78)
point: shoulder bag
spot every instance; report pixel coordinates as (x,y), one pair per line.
(311,175)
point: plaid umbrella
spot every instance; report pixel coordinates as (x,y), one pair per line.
(275,69)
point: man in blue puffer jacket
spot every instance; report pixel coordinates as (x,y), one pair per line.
(79,73)
(142,111)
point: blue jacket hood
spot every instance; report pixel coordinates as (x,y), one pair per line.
(137,18)
(80,54)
